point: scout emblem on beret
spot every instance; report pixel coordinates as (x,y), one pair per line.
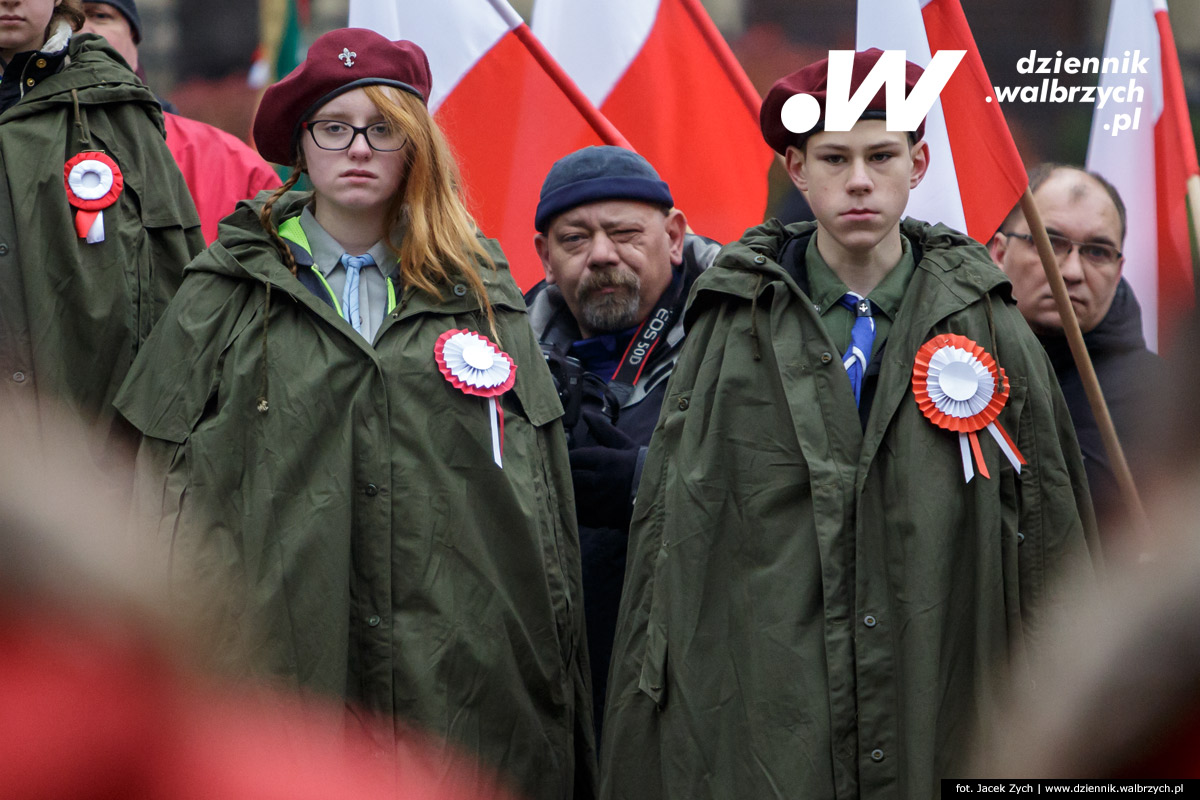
(93,182)
(959,387)
(477,367)
(348,56)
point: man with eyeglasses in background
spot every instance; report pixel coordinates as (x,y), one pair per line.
(1085,218)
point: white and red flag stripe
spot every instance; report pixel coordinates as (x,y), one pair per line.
(507,108)
(660,71)
(975,175)
(1150,164)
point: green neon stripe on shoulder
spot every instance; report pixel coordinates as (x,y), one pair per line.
(290,229)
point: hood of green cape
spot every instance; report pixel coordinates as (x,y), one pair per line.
(244,250)
(97,75)
(958,261)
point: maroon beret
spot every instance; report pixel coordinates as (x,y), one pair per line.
(337,62)
(813,80)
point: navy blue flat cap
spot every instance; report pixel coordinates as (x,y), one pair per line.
(598,173)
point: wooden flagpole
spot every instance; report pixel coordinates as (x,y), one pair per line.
(1193,196)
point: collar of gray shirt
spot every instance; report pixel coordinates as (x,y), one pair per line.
(327,253)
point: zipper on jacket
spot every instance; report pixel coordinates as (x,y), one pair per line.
(321,277)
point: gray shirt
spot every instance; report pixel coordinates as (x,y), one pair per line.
(372,284)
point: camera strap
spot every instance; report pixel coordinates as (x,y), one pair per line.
(653,329)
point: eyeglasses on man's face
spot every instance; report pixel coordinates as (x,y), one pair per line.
(1098,253)
(331,134)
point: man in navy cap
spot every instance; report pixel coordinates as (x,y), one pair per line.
(119,23)
(619,265)
(860,491)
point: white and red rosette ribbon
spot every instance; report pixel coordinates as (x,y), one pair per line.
(959,387)
(93,181)
(477,367)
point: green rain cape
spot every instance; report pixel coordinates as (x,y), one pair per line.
(382,555)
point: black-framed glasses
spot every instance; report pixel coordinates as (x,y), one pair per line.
(1098,253)
(332,134)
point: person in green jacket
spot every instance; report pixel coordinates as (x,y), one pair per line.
(860,492)
(349,420)
(96,223)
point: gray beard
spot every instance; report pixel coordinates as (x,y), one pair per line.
(611,313)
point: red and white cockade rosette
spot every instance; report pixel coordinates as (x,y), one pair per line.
(474,365)
(93,181)
(959,387)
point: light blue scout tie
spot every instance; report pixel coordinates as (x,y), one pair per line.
(862,339)
(350,307)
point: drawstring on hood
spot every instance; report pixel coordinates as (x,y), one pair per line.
(754,317)
(264,218)
(85,133)
(264,404)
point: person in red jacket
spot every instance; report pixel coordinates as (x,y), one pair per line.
(219,168)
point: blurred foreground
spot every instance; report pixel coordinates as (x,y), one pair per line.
(1117,696)
(102,686)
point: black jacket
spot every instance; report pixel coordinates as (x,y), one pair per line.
(603,549)
(1133,380)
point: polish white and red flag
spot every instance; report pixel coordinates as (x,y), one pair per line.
(507,108)
(975,175)
(662,73)
(1145,148)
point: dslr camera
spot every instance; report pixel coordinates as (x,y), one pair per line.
(578,388)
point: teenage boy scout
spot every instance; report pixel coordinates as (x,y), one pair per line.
(815,591)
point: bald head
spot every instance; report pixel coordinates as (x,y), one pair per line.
(1042,172)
